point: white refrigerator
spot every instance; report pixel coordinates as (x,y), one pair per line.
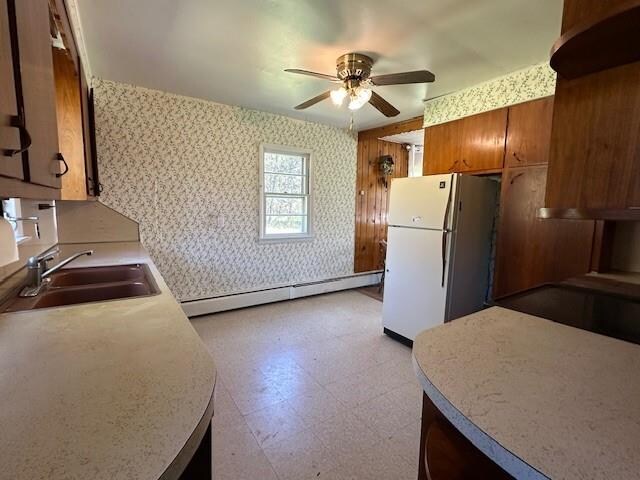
(438,250)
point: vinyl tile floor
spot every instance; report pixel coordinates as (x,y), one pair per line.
(312,389)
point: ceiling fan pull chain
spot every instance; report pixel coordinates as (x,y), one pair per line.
(351,123)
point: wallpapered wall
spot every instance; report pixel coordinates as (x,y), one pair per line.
(520,86)
(187,171)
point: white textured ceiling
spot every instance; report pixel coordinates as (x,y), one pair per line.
(234,52)
(416,137)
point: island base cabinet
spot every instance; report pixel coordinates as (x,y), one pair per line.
(200,466)
(445,454)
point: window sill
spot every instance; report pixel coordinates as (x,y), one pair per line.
(301,238)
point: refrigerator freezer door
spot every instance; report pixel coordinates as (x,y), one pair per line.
(414,298)
(421,202)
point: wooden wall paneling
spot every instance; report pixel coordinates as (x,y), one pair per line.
(371,208)
(38,91)
(529,133)
(70,126)
(595,141)
(531,251)
(10,166)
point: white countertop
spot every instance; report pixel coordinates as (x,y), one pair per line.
(109,390)
(540,398)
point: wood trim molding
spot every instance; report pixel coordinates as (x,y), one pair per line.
(615,214)
(410,125)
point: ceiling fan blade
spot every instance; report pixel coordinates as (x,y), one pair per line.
(314,100)
(324,76)
(419,76)
(381,104)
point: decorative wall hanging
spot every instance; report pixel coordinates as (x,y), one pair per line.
(386,165)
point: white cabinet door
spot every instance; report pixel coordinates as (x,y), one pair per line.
(414,298)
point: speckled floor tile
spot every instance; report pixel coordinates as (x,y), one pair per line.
(312,389)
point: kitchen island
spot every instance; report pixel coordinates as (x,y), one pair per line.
(118,389)
(529,397)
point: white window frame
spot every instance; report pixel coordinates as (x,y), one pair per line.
(286,237)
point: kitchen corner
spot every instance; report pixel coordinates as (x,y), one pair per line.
(86,389)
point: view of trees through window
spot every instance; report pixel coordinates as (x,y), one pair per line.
(286,193)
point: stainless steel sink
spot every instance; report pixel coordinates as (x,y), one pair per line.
(91,284)
(88,276)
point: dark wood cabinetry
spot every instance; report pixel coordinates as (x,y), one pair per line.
(445,454)
(529,250)
(38,91)
(471,144)
(529,133)
(594,162)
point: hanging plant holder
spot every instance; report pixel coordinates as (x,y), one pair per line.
(386,166)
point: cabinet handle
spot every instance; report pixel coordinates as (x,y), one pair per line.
(17,121)
(66,167)
(515,155)
(465,163)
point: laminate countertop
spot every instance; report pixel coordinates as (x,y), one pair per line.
(541,399)
(110,390)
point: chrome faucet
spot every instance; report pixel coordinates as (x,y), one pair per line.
(38,274)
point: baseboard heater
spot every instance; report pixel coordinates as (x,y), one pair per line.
(194,308)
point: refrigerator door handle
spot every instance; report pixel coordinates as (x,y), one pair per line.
(445,231)
(444,254)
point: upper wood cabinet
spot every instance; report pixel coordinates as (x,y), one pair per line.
(594,159)
(529,133)
(10,159)
(38,91)
(471,144)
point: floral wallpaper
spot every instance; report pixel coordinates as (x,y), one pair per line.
(188,171)
(520,86)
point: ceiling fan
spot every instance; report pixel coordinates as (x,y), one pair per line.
(353,72)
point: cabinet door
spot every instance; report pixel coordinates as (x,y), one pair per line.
(38,91)
(10,165)
(442,148)
(529,133)
(91,165)
(471,144)
(531,251)
(482,142)
(70,135)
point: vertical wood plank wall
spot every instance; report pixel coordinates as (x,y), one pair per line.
(371,207)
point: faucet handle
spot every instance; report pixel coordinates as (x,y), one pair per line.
(48,255)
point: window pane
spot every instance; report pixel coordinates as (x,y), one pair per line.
(286,205)
(274,183)
(285,224)
(280,163)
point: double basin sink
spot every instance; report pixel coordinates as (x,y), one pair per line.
(91,284)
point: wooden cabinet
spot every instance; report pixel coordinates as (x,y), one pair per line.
(70,126)
(531,251)
(38,91)
(471,144)
(44,106)
(446,454)
(10,161)
(529,133)
(594,162)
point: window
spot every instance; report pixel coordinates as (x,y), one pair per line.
(285,193)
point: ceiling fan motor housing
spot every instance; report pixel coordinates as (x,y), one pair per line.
(354,66)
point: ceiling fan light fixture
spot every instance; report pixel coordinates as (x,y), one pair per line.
(359,96)
(338,96)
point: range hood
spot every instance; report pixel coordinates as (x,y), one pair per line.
(631,214)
